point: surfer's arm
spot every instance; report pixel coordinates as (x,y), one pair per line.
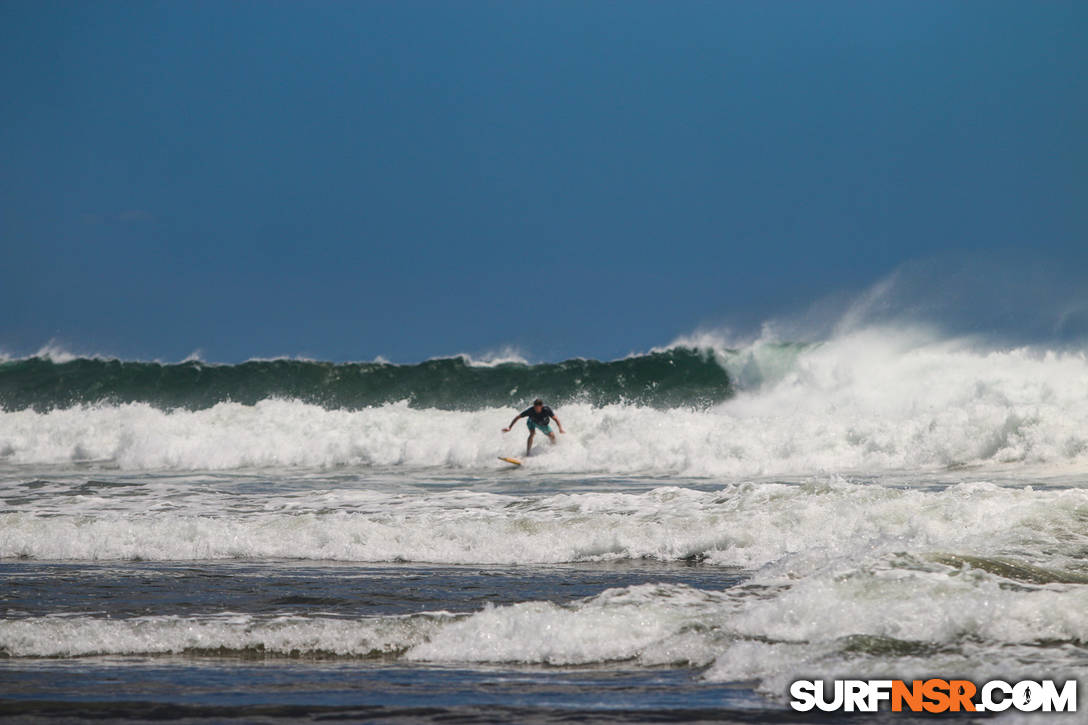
(517,417)
(556,419)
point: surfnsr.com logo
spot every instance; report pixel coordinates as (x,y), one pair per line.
(933,695)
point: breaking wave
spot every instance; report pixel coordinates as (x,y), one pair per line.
(875,400)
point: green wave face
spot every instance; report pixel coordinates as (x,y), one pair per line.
(673,378)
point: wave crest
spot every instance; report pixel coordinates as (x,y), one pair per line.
(676,377)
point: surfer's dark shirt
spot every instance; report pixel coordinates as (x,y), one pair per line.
(540,418)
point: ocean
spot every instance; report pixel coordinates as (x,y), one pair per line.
(302,540)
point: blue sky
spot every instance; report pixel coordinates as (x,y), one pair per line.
(409,179)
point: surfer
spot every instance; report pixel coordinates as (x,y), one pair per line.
(540,417)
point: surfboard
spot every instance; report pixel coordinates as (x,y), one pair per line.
(515,461)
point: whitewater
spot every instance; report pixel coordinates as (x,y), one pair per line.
(718,521)
(872,401)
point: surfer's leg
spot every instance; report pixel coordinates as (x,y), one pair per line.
(529,443)
(551,436)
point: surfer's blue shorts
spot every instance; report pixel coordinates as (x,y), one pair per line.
(545,429)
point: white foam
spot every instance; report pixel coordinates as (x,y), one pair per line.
(775,636)
(491,358)
(75,636)
(792,528)
(55,352)
(973,626)
(875,400)
(844,578)
(812,622)
(651,623)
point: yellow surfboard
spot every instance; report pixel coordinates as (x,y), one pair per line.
(515,461)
